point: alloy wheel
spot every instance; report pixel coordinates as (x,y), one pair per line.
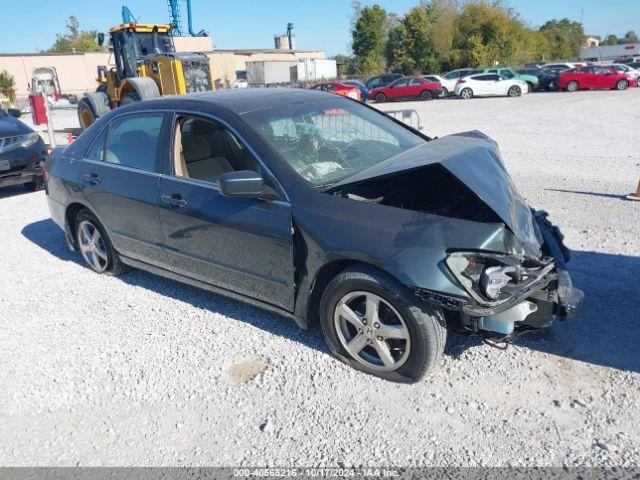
(372,331)
(92,246)
(466,94)
(514,91)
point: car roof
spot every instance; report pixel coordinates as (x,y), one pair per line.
(238,101)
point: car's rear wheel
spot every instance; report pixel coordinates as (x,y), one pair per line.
(425,95)
(95,246)
(381,98)
(622,84)
(530,87)
(514,91)
(444,93)
(377,326)
(466,93)
(572,86)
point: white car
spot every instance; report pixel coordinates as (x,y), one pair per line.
(488,85)
(241,83)
(629,70)
(448,85)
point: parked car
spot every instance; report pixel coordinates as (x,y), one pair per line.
(442,81)
(564,65)
(339,89)
(21,152)
(286,199)
(534,64)
(407,88)
(490,84)
(628,69)
(364,91)
(547,77)
(452,77)
(594,77)
(241,83)
(381,80)
(531,80)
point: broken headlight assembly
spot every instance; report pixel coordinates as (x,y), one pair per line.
(493,278)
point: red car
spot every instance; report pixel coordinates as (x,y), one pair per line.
(407,87)
(594,76)
(339,89)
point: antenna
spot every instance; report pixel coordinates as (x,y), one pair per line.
(582,15)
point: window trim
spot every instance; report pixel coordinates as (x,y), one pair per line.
(168,167)
(107,127)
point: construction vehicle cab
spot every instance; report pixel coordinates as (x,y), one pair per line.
(146,66)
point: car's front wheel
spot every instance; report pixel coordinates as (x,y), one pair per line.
(466,94)
(377,326)
(514,91)
(622,85)
(95,246)
(572,86)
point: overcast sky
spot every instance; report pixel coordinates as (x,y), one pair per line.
(319,24)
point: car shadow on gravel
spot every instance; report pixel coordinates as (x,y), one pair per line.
(605,332)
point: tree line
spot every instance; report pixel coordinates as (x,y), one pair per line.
(441,35)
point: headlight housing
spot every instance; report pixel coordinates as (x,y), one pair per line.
(27,140)
(492,279)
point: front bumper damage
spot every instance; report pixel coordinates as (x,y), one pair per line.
(551,296)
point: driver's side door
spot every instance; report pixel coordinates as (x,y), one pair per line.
(399,89)
(243,245)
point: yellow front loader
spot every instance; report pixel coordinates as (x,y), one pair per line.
(146,66)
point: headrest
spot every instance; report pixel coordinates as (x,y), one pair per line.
(134,139)
(195,148)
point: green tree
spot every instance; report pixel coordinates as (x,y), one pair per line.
(629,37)
(369,39)
(565,38)
(7,81)
(610,40)
(76,40)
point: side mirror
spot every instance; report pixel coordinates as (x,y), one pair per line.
(245,184)
(14,112)
(101,39)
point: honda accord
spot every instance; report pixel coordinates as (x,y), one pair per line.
(321,209)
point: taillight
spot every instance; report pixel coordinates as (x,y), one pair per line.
(462,81)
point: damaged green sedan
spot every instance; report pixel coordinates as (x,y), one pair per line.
(319,208)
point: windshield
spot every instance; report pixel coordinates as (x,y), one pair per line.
(328,140)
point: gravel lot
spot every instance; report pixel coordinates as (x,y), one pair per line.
(139,370)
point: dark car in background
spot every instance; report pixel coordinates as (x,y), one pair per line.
(321,209)
(381,80)
(407,88)
(21,152)
(547,77)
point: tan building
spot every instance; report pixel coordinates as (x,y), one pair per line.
(77,72)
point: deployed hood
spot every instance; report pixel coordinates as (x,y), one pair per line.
(11,127)
(474,160)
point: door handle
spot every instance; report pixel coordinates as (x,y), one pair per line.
(174,200)
(92,178)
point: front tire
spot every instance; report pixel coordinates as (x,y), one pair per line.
(86,114)
(514,91)
(622,85)
(377,326)
(95,247)
(572,86)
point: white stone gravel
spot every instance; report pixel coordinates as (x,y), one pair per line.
(134,370)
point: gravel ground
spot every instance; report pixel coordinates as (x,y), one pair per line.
(139,370)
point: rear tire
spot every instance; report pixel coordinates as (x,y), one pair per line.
(530,87)
(572,86)
(399,339)
(622,84)
(466,94)
(445,93)
(425,95)
(381,98)
(86,114)
(96,248)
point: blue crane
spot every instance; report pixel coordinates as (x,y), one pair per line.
(175,17)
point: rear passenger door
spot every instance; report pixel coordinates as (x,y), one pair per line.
(119,180)
(243,245)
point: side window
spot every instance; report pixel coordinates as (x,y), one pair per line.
(96,152)
(204,150)
(132,141)
(415,82)
(330,87)
(507,74)
(401,83)
(452,75)
(492,71)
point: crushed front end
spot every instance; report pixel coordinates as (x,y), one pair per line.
(509,294)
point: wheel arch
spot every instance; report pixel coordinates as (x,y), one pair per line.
(70,215)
